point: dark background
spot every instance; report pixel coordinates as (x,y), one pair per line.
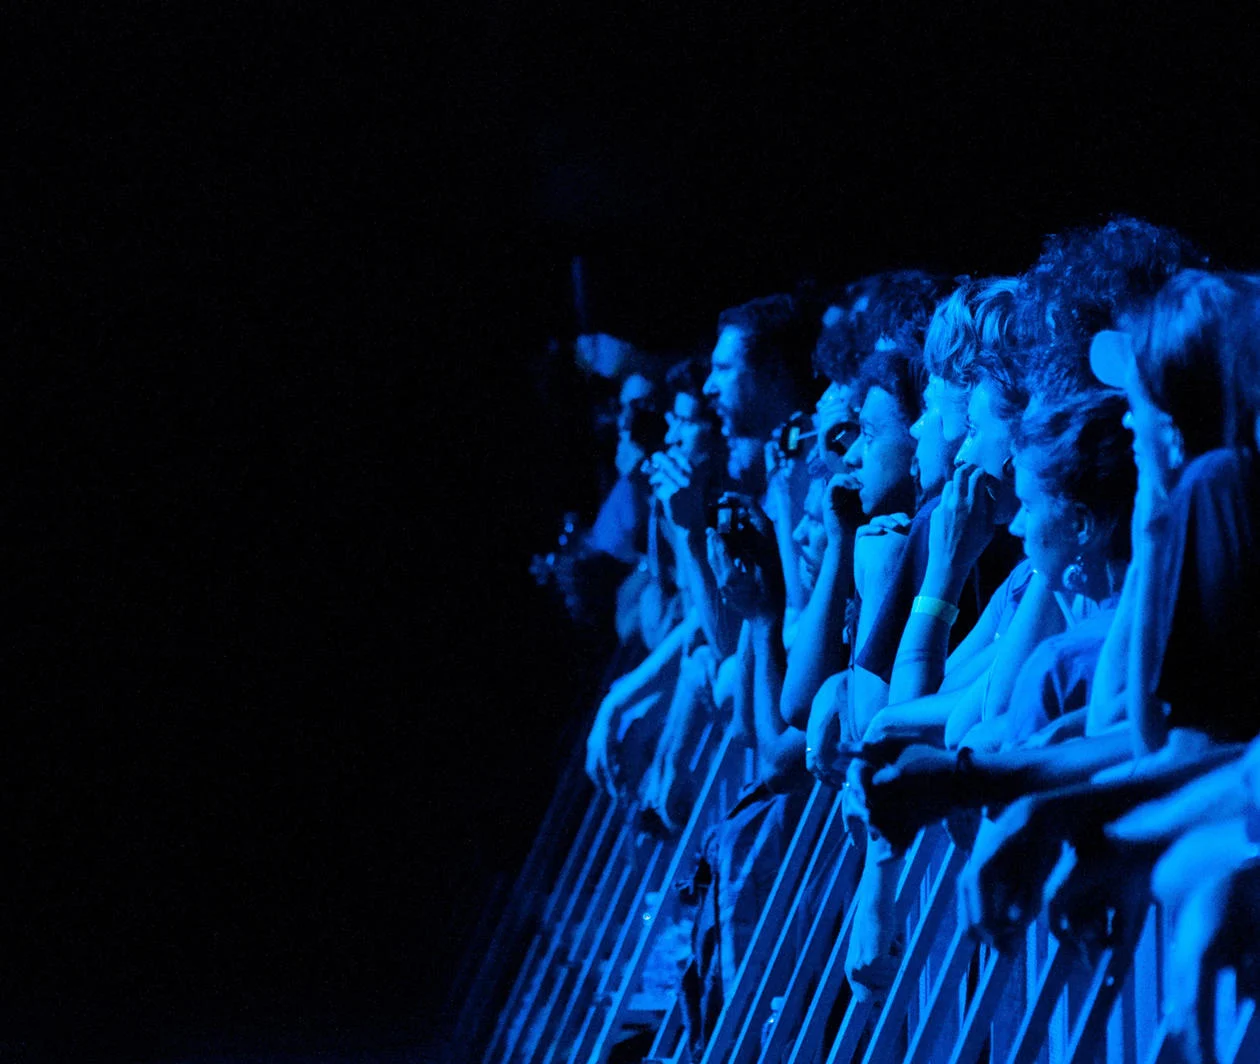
(278,291)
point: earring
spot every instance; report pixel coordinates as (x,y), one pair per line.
(1176,450)
(1074,579)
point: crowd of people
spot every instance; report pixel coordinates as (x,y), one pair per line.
(972,550)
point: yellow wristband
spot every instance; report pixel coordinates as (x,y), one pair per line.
(946,611)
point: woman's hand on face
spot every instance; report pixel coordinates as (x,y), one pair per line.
(962,524)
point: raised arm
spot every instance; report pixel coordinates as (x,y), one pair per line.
(876,553)
(819,650)
(681,490)
(961,527)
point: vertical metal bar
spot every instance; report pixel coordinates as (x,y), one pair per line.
(634,968)
(766,933)
(975,1028)
(941,893)
(813,956)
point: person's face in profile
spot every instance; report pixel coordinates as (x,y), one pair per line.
(880,458)
(939,434)
(810,535)
(1046,522)
(730,385)
(689,431)
(988,445)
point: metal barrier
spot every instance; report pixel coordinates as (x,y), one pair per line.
(953,1001)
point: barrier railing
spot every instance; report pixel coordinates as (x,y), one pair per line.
(953,1000)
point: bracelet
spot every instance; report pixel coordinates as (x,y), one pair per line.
(946,611)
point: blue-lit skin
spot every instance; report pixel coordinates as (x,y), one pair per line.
(988,446)
(689,437)
(749,403)
(810,535)
(880,457)
(1046,523)
(939,434)
(837,413)
(629,454)
(731,388)
(688,431)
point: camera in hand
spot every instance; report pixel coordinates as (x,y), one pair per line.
(729,518)
(795,435)
(645,425)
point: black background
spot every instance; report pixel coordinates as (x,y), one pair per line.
(278,289)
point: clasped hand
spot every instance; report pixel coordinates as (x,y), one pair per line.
(679,485)
(962,524)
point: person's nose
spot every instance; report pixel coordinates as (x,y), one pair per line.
(1127,420)
(853,456)
(916,430)
(710,385)
(800,534)
(965,452)
(1019,523)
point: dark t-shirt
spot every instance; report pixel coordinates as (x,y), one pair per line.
(1210,674)
(879,652)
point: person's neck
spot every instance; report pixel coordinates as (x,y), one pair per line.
(747,465)
(899,501)
(1103,580)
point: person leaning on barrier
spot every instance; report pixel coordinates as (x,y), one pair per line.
(1074,525)
(630,716)
(1207,530)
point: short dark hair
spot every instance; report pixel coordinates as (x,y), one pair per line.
(1188,350)
(779,337)
(899,370)
(893,306)
(1086,456)
(836,355)
(687,378)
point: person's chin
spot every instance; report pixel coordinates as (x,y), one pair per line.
(930,488)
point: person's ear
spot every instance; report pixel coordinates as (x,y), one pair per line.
(1084,523)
